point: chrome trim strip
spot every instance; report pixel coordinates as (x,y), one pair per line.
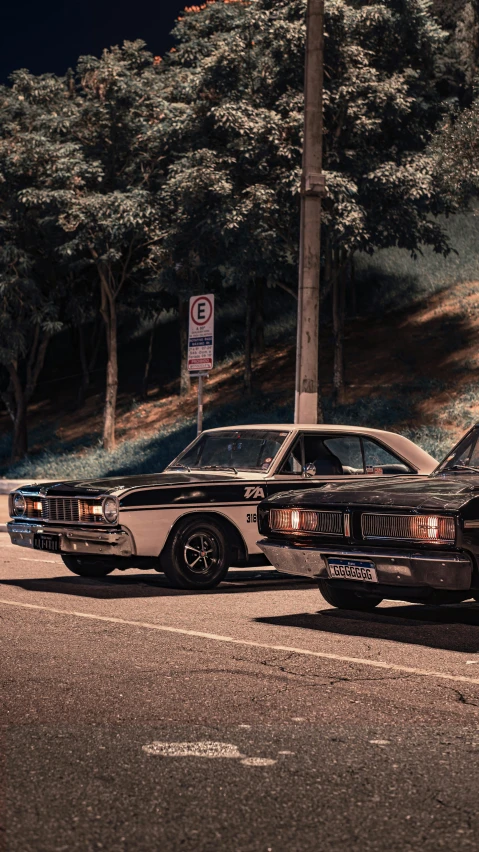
(347,525)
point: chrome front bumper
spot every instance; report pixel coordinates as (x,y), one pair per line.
(438,570)
(81,540)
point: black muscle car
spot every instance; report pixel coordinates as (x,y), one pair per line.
(413,539)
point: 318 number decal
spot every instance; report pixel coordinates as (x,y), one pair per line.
(251,518)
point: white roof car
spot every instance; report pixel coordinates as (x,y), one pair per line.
(198,517)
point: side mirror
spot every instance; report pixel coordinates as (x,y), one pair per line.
(309,470)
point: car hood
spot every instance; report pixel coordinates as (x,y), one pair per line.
(120,484)
(418,492)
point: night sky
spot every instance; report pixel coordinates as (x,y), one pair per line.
(49,35)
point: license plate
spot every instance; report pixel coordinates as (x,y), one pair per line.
(46,542)
(352,569)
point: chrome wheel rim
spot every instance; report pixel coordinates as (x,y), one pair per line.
(201,552)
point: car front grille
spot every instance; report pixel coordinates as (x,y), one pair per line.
(303,520)
(408,527)
(70,510)
(61,509)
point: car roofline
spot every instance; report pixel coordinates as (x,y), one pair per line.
(414,454)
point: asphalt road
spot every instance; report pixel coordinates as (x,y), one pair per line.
(255,717)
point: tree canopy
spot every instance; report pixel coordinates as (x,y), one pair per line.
(134,181)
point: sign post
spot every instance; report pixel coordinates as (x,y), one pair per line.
(201,333)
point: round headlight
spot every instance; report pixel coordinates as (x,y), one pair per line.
(19,504)
(110,510)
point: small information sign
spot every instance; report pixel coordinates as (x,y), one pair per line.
(201,333)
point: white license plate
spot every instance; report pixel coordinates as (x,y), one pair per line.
(352,569)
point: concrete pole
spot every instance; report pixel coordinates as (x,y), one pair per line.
(312,189)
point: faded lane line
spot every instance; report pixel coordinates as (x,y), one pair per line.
(28,559)
(322,655)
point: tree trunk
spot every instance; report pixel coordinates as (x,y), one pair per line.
(149,357)
(259,317)
(20,431)
(20,395)
(339,282)
(108,312)
(352,287)
(85,372)
(185,380)
(248,373)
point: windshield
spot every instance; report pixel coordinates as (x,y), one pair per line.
(464,457)
(251,449)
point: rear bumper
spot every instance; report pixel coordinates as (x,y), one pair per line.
(76,540)
(438,570)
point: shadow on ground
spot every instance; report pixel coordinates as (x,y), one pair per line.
(147,586)
(450,628)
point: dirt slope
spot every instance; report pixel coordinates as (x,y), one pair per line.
(430,349)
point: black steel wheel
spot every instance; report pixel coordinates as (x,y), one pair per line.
(344,599)
(197,556)
(88,566)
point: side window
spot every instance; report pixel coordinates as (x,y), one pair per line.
(348,450)
(323,457)
(292,463)
(379,461)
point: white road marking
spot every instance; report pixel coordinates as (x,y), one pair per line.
(289,649)
(29,559)
(380,742)
(200,749)
(205,748)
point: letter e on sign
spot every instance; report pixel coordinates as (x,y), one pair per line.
(201,328)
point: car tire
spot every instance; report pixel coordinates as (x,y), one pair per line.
(88,566)
(344,599)
(197,555)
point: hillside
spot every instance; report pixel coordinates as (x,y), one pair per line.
(414,371)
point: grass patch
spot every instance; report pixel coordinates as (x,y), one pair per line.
(391,279)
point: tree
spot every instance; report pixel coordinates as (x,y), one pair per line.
(239,66)
(31,281)
(112,217)
(455,152)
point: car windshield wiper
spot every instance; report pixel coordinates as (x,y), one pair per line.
(463,467)
(176,466)
(218,467)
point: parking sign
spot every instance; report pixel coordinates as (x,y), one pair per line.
(201,333)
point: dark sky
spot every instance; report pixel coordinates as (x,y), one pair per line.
(49,35)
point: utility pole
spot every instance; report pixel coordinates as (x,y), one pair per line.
(312,189)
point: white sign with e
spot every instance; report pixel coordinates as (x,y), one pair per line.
(201,333)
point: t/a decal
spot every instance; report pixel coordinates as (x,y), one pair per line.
(252,492)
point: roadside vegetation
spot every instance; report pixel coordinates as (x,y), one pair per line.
(134,182)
